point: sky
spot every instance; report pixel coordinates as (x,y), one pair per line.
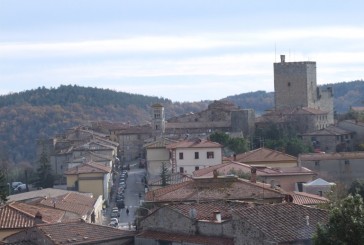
(183,50)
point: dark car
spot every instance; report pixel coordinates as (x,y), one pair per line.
(120,204)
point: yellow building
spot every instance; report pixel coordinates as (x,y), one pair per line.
(90,177)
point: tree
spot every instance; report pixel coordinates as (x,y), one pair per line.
(4,188)
(164,174)
(345,225)
(238,145)
(357,187)
(220,137)
(45,177)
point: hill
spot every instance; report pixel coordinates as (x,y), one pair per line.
(42,112)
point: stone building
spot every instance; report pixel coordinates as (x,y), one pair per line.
(295,86)
(299,103)
(340,167)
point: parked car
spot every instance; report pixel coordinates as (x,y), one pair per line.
(120,204)
(114,222)
(20,188)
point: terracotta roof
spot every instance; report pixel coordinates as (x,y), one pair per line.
(331,156)
(208,189)
(159,143)
(358,108)
(183,238)
(196,143)
(230,166)
(264,155)
(284,222)
(330,130)
(73,202)
(80,233)
(90,167)
(20,215)
(304,198)
(355,122)
(144,129)
(48,192)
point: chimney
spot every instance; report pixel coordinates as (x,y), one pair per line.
(215,173)
(253,177)
(307,220)
(283,58)
(38,218)
(217,216)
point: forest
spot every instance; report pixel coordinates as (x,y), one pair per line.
(42,112)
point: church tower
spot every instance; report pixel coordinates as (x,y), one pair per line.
(158,122)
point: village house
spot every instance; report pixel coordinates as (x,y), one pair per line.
(354,126)
(330,139)
(92,178)
(192,154)
(266,157)
(230,223)
(157,154)
(77,232)
(340,167)
(17,216)
(216,188)
(286,178)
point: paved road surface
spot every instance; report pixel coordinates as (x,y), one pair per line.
(132,200)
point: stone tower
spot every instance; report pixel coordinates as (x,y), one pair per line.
(295,84)
(158,119)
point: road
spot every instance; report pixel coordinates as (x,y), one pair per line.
(132,199)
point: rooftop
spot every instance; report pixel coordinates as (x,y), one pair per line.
(264,155)
(295,222)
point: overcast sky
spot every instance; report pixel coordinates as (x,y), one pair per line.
(184,50)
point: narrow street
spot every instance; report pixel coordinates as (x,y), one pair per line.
(131,197)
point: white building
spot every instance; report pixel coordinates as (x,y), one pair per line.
(188,156)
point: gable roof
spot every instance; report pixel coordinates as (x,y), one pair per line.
(185,239)
(79,233)
(318,182)
(284,222)
(330,130)
(90,167)
(47,192)
(208,189)
(331,156)
(159,143)
(72,202)
(264,155)
(304,198)
(21,215)
(231,167)
(195,143)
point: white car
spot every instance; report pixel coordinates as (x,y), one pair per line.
(114,222)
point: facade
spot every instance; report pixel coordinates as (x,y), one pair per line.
(341,167)
(266,157)
(157,154)
(158,122)
(91,178)
(330,139)
(189,155)
(220,116)
(353,126)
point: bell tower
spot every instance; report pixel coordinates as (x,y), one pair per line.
(158,122)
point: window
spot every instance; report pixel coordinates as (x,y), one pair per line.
(210,154)
(181,155)
(317,163)
(197,168)
(196,155)
(347,162)
(181,170)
